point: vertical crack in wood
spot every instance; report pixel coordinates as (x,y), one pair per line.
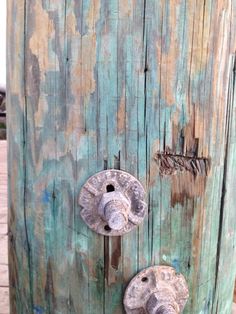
(146,72)
(49,287)
(105,255)
(145,60)
(116,254)
(231,95)
(117,161)
(25,146)
(106,260)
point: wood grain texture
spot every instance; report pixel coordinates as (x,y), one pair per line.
(100,84)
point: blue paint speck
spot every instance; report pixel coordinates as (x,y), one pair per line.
(46,197)
(175,264)
(38,309)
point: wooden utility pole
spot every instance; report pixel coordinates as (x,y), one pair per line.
(145,86)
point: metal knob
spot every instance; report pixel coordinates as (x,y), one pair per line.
(156,290)
(113,202)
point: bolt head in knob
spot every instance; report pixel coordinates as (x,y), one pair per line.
(165,310)
(114,208)
(116,214)
(162,303)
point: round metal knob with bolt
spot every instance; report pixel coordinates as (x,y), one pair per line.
(156,290)
(113,202)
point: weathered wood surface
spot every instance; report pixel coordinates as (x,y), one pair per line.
(4,282)
(235,292)
(102,84)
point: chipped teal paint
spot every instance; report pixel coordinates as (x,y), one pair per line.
(102,84)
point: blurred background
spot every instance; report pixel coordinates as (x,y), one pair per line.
(4,282)
(2,69)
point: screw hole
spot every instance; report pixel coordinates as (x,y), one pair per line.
(144,279)
(110,188)
(107,228)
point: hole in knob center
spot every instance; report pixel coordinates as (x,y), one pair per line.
(110,188)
